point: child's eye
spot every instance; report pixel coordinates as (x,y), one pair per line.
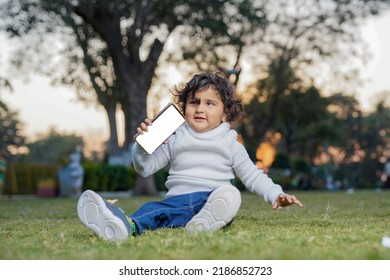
(193,101)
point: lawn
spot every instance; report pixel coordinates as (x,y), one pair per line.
(332,226)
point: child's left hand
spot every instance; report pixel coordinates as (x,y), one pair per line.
(286,200)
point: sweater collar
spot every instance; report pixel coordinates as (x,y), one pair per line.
(216,133)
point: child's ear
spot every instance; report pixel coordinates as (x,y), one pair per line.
(224,117)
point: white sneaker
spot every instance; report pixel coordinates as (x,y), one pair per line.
(220,209)
(105,220)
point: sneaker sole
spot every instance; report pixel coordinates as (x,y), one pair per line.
(220,209)
(95,215)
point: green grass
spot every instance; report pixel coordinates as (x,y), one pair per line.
(333,225)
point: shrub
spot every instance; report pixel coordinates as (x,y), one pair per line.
(23,177)
(103,177)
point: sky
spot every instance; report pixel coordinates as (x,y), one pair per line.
(377,72)
(42,106)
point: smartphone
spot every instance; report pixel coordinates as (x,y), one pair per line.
(168,120)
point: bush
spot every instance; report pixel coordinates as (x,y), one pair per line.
(23,177)
(281,161)
(103,177)
(160,179)
(300,165)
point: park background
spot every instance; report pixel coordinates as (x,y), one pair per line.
(313,75)
(80,75)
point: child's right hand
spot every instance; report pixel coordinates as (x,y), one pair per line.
(144,126)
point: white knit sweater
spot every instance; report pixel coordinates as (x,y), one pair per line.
(204,162)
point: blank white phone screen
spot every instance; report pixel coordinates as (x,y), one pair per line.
(162,127)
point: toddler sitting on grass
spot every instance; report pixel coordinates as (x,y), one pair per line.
(204,156)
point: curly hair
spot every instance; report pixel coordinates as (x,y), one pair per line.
(233,106)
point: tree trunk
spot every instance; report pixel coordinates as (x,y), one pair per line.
(145,186)
(134,110)
(113,148)
(136,77)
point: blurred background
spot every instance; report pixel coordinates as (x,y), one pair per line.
(77,77)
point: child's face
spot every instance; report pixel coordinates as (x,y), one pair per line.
(205,111)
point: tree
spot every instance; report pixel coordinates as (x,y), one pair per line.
(374,142)
(348,118)
(53,147)
(263,107)
(304,123)
(112,47)
(11,138)
(214,45)
(4,84)
(304,38)
(119,43)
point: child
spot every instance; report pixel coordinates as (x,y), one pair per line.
(204,156)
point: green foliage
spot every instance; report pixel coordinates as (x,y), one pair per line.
(23,177)
(291,45)
(160,179)
(91,62)
(103,177)
(300,165)
(10,131)
(53,147)
(282,160)
(332,226)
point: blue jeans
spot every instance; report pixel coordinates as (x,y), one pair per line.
(171,212)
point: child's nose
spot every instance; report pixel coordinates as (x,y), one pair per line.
(199,108)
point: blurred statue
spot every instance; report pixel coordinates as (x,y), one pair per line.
(386,175)
(3,168)
(72,176)
(329,184)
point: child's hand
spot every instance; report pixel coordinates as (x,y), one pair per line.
(285,200)
(144,126)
